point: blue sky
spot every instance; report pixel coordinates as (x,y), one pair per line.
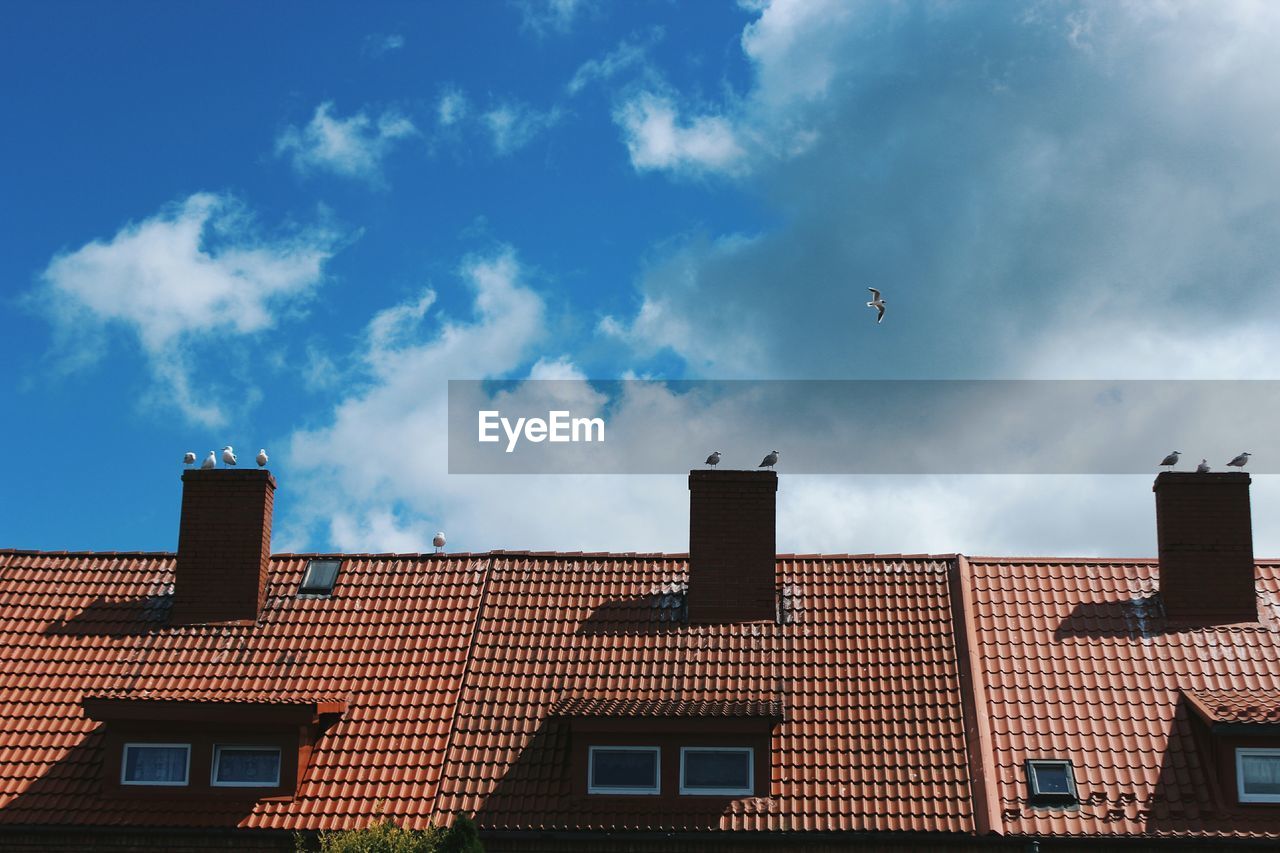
(288,225)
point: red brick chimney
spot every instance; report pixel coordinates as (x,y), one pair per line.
(1206,548)
(224,546)
(732,546)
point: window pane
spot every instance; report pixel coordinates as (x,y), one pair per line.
(155,765)
(729,769)
(1052,779)
(624,768)
(237,765)
(1261,773)
(320,576)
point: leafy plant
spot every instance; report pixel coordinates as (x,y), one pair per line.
(386,836)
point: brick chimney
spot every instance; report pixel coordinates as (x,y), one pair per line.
(732,546)
(1206,548)
(224,546)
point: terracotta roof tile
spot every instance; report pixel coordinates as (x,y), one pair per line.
(1078,662)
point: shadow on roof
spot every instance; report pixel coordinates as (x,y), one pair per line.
(1186,796)
(659,612)
(1134,617)
(77,778)
(541,788)
(116,617)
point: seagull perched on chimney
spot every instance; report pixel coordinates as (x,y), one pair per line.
(228,456)
(876,303)
(438,541)
(1171,460)
(189,458)
(262,458)
(714,459)
(210,461)
(1203,467)
(770,460)
(1241,460)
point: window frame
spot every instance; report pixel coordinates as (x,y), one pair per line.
(1241,751)
(655,791)
(749,791)
(1053,799)
(261,747)
(124,764)
(319,591)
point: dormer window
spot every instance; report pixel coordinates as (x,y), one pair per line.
(623,770)
(155,764)
(717,771)
(1258,774)
(1051,782)
(245,766)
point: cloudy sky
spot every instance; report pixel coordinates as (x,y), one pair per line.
(289,225)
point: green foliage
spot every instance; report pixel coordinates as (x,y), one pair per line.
(385,836)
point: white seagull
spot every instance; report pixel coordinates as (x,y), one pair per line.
(262,458)
(714,459)
(210,461)
(228,456)
(1241,460)
(438,541)
(189,458)
(1171,459)
(876,303)
(1203,467)
(770,460)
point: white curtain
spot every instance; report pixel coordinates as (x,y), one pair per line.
(156,764)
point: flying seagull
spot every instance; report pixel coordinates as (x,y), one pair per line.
(189,458)
(1203,467)
(1171,459)
(876,303)
(262,458)
(1241,460)
(228,456)
(714,459)
(770,460)
(210,461)
(438,541)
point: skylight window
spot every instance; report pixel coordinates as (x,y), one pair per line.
(717,771)
(1051,782)
(1258,775)
(622,770)
(155,764)
(246,766)
(319,577)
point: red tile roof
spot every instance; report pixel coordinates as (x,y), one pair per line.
(452,669)
(595,706)
(1077,662)
(394,637)
(873,736)
(1236,706)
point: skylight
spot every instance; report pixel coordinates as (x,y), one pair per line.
(1051,782)
(319,577)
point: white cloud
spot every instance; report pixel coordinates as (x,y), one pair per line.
(353,147)
(196,272)
(551,16)
(380,45)
(628,54)
(513,125)
(658,138)
(451,108)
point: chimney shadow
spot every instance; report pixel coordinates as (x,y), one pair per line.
(116,617)
(1142,616)
(661,612)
